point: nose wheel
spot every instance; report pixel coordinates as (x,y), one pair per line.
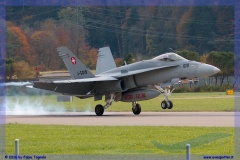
(136,108)
(166,104)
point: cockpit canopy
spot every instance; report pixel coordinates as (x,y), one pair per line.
(169,57)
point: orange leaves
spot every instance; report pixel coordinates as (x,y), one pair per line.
(23,70)
(204,57)
(119,62)
(89,56)
(24,41)
(38,35)
(92,56)
(44,44)
(62,36)
(181,29)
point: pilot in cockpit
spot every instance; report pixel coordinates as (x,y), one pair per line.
(169,57)
(165,58)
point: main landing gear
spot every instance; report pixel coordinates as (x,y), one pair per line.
(136,108)
(99,109)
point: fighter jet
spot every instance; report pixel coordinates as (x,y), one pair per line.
(134,82)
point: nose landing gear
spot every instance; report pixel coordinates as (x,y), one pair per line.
(166,103)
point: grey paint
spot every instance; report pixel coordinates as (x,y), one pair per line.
(105,60)
(124,79)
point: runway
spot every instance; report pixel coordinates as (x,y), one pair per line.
(208,119)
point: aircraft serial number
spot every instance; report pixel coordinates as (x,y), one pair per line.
(186,65)
(82,72)
(139,95)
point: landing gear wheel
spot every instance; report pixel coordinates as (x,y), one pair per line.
(99,110)
(136,109)
(170,105)
(164,105)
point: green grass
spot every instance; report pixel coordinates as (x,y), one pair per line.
(100,140)
(209,101)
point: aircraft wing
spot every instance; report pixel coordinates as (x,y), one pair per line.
(84,86)
(125,73)
(72,87)
(95,79)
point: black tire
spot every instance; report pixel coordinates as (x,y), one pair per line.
(99,110)
(170,105)
(164,105)
(137,109)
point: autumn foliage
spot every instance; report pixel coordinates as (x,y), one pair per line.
(34,35)
(24,41)
(23,70)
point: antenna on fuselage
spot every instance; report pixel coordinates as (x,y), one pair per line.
(171,49)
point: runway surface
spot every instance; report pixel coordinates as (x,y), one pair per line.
(218,119)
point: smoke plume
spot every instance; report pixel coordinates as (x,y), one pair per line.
(23,105)
(29,105)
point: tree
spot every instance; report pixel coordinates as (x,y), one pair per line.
(25,48)
(129,58)
(89,56)
(182,29)
(23,70)
(17,46)
(152,40)
(204,57)
(62,36)
(189,55)
(44,45)
(236,84)
(131,34)
(72,19)
(224,32)
(10,68)
(13,45)
(224,61)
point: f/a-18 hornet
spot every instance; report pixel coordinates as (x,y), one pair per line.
(134,82)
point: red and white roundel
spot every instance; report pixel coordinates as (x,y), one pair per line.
(73,60)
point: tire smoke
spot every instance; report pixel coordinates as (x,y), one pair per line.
(26,104)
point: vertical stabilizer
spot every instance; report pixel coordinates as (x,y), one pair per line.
(75,67)
(105,60)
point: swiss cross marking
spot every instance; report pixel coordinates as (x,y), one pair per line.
(73,60)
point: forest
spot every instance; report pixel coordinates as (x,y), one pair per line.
(133,33)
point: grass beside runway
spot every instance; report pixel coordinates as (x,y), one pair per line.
(197,102)
(100,140)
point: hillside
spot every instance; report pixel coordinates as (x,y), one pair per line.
(34,33)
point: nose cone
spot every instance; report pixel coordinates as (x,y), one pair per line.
(205,70)
(215,70)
